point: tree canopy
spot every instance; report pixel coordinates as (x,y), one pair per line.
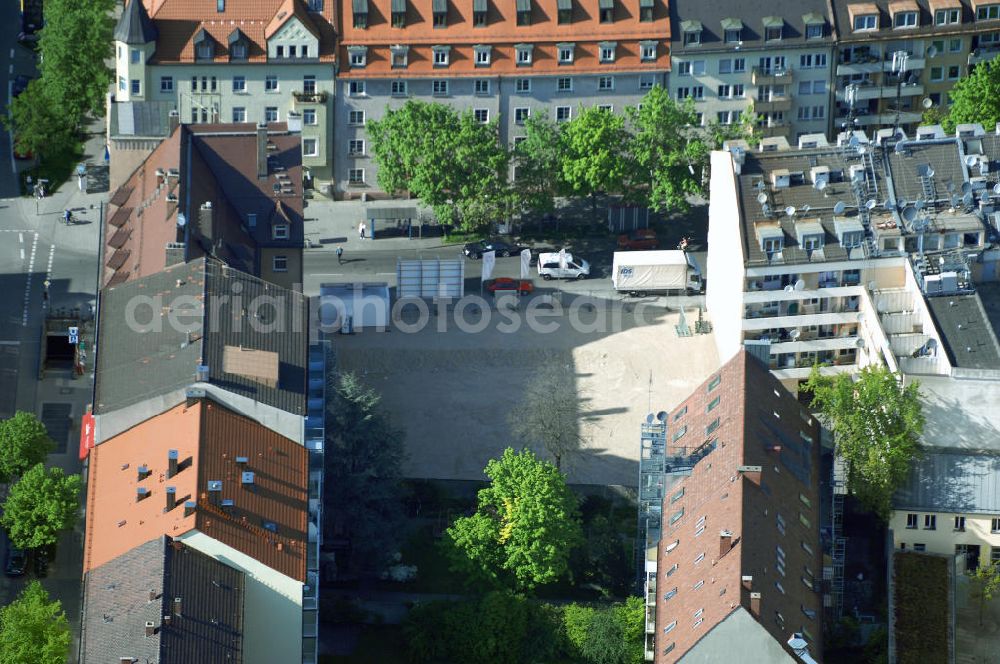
(985,584)
(877,424)
(607,635)
(24,442)
(595,154)
(538,159)
(975,98)
(525,525)
(549,413)
(40,505)
(34,629)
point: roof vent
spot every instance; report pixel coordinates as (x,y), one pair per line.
(189,507)
(150,628)
(172,457)
(227,505)
(143,472)
(171,497)
(242,459)
(247,478)
(141,493)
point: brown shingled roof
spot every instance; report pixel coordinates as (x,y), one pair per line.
(267,519)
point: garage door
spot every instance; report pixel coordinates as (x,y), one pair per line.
(430,278)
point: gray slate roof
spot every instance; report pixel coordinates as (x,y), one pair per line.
(145,119)
(135,26)
(952,482)
(156,331)
(752,14)
(117,605)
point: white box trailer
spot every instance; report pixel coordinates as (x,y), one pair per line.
(641,273)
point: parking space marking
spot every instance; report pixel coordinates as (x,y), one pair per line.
(27,282)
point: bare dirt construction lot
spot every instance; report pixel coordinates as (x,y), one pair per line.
(451,389)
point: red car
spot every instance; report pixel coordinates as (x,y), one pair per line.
(643,238)
(506,285)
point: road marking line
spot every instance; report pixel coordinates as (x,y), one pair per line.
(27,284)
(22,253)
(21,237)
(382,274)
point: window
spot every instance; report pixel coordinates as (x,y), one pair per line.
(954,72)
(692,38)
(780,521)
(523,55)
(309,116)
(135,86)
(947,16)
(987,12)
(479,19)
(482,86)
(781,589)
(670,627)
(400,57)
(734,35)
(399,19)
(136,56)
(440,56)
(270,83)
(680,433)
(739,65)
(565,55)
(565,14)
(564,84)
(919,547)
(280,231)
(714,383)
(215,84)
(670,593)
(904,20)
(204,51)
(356,118)
(271,114)
(361,20)
(995,526)
(608,13)
(440,88)
(607,53)
(677,496)
(279,263)
(698,93)
(356,176)
(804,499)
(524,16)
(804,520)
(238,51)
(700,557)
(356,146)
(648,51)
(220,5)
(995,554)
(712,404)
(814,31)
(606,83)
(239,84)
(960,523)
(646,82)
(522,85)
(808,549)
(291,51)
(563,113)
(309,85)
(930,522)
(683,68)
(359,56)
(676,516)
(441,19)
(739,92)
(354,88)
(725,66)
(239,114)
(937,74)
(399,88)
(521,115)
(866,22)
(698,585)
(712,427)
(483,56)
(166,84)
(482,115)
(773,33)
(955,45)
(204,83)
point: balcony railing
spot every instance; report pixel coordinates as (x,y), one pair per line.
(314,97)
(770,75)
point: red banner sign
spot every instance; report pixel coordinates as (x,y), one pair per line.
(86,435)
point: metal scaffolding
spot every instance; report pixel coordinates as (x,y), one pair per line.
(652,487)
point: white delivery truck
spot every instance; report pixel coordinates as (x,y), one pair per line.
(561,265)
(640,273)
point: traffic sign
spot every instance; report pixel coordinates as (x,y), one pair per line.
(73,339)
(74,331)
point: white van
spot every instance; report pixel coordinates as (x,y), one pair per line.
(551,267)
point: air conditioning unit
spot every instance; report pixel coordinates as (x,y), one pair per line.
(978,182)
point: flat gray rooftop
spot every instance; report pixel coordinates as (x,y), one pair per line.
(952,482)
(961,413)
(969,339)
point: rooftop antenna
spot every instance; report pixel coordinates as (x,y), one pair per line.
(839,207)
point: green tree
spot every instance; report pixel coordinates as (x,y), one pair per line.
(607,635)
(975,98)
(39,125)
(985,581)
(24,442)
(934,115)
(595,155)
(524,527)
(364,470)
(549,413)
(33,629)
(40,505)
(745,129)
(482,194)
(877,424)
(76,44)
(669,152)
(538,159)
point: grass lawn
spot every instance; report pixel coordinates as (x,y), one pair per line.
(922,613)
(376,643)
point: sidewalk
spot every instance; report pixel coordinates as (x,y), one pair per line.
(329,224)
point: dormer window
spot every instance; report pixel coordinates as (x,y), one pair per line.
(987,12)
(692,32)
(441,55)
(607,9)
(479,13)
(773,28)
(647,51)
(204,45)
(523,54)
(358,56)
(238,48)
(645,11)
(732,30)
(566,53)
(524,12)
(607,51)
(400,56)
(360,14)
(565,11)
(815,24)
(905,16)
(484,55)
(440,8)
(866,22)
(399,13)
(948,16)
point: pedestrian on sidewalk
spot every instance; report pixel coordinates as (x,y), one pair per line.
(340,255)
(361,230)
(67,216)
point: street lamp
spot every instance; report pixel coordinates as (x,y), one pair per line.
(900,60)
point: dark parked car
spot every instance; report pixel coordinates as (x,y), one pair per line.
(20,84)
(503,248)
(16,561)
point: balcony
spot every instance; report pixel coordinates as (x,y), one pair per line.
(781,128)
(309,97)
(866,92)
(881,119)
(984,54)
(764,76)
(772,104)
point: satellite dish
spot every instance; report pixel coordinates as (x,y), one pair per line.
(870,203)
(908,214)
(930,171)
(931,343)
(996,189)
(966,188)
(789,288)
(181,219)
(806,208)
(662,416)
(649,418)
(790,210)
(932,51)
(853,141)
(955,200)
(800,285)
(762,198)
(861,149)
(970,161)
(821,184)
(839,207)
(927,102)
(794,334)
(860,343)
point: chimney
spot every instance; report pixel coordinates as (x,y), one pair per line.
(141,493)
(177,606)
(215,491)
(171,497)
(171,463)
(262,150)
(725,542)
(153,595)
(150,628)
(747,582)
(206,225)
(752,473)
(166,620)
(189,508)
(143,472)
(173,119)
(227,506)
(242,460)
(755,604)
(246,477)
